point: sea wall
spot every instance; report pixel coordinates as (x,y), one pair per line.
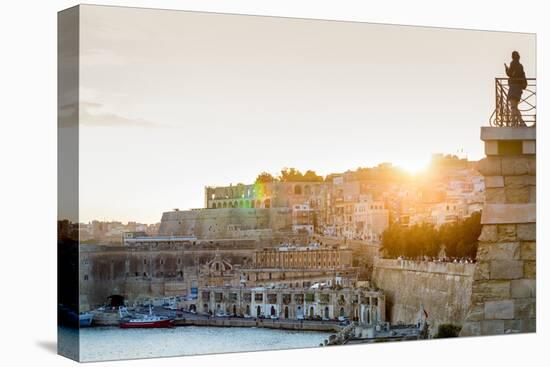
(443,289)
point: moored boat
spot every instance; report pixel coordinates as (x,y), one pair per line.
(85,319)
(146,321)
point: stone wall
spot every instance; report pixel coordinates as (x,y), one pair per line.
(504,290)
(443,289)
(144,272)
(226,223)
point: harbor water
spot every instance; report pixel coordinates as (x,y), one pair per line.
(111,343)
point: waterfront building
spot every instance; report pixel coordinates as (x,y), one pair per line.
(363,305)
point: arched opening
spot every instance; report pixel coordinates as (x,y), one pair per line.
(307,190)
(234,310)
(258,311)
(311,311)
(297,190)
(214,206)
(225,204)
(240,204)
(248,310)
(286,312)
(205,308)
(252,204)
(273,312)
(299,313)
(326,312)
(235,204)
(342,312)
(267,203)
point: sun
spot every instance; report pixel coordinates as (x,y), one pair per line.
(414,166)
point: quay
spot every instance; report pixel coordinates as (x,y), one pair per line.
(301,325)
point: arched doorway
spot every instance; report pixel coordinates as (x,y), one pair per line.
(258,311)
(326,312)
(311,311)
(342,312)
(193,308)
(299,313)
(248,310)
(273,311)
(234,310)
(286,312)
(205,308)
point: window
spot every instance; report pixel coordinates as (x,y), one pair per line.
(85,276)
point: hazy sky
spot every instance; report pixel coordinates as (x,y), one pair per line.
(171,101)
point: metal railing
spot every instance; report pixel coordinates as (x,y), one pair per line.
(502,115)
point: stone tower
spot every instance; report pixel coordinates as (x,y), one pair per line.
(504,287)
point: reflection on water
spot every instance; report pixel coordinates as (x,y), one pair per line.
(108,343)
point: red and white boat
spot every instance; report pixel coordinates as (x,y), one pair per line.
(146,321)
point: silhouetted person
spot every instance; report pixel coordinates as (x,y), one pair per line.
(517,82)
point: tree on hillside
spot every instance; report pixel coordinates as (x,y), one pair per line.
(265,177)
(311,176)
(458,239)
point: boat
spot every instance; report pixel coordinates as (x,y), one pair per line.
(145,321)
(85,319)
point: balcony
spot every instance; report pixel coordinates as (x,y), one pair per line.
(502,116)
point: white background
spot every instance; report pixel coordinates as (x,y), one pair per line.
(28,181)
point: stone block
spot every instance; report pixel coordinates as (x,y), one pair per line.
(482,270)
(495,195)
(499,310)
(490,166)
(529,147)
(476,312)
(530,269)
(515,166)
(532,166)
(527,232)
(512,326)
(499,251)
(508,133)
(528,250)
(519,181)
(529,325)
(525,308)
(492,289)
(506,269)
(494,213)
(488,233)
(506,232)
(471,328)
(492,327)
(518,195)
(491,147)
(523,288)
(494,181)
(533,194)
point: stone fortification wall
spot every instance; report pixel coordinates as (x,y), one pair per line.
(443,289)
(226,223)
